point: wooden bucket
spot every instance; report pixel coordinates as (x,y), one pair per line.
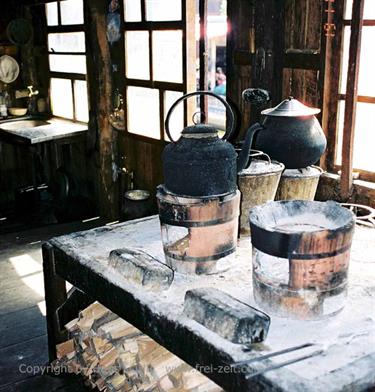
(299,184)
(258,184)
(302,253)
(197,232)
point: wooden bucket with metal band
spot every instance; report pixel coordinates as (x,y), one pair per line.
(258,184)
(197,232)
(299,184)
(309,242)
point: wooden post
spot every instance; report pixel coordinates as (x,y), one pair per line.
(101,134)
(55,296)
(331,43)
(203,57)
(351,99)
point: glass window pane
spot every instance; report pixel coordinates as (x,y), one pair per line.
(71,12)
(348,9)
(216,115)
(143,111)
(62,98)
(137,55)
(167,55)
(176,123)
(80,100)
(158,10)
(368,11)
(67,63)
(340,127)
(366,82)
(51,14)
(132,10)
(66,42)
(364,136)
(345,60)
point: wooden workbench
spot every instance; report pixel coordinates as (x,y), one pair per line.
(348,339)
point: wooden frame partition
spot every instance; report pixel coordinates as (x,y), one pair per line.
(351,98)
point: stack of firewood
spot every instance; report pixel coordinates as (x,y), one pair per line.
(112,355)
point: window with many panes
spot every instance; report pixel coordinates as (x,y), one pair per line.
(363,130)
(156,72)
(162,60)
(67,59)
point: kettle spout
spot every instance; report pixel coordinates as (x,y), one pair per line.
(244,158)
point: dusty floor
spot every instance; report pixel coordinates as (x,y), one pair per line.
(23,336)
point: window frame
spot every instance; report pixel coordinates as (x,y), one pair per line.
(72,77)
(188,61)
(346,170)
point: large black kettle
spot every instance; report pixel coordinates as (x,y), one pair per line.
(200,163)
(291,134)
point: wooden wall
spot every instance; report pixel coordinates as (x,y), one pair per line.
(276,45)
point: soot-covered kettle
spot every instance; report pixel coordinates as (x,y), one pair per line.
(199,163)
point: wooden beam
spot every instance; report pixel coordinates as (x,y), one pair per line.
(203,56)
(332,44)
(360,98)
(103,138)
(351,99)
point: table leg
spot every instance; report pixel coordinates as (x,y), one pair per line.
(55,296)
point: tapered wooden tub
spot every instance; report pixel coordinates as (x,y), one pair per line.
(301,257)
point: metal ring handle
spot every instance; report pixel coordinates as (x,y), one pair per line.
(228,132)
(258,153)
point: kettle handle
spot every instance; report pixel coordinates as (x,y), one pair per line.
(229,130)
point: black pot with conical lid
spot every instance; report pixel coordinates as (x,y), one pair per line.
(291,134)
(200,163)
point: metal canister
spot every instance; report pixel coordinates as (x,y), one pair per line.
(136,204)
(258,184)
(299,184)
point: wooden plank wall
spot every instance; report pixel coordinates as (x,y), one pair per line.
(303,30)
(144,159)
(290,33)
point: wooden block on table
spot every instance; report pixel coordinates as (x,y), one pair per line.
(225,315)
(141,268)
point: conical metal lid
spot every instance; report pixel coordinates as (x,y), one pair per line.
(291,107)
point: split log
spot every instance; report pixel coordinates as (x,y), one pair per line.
(112,355)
